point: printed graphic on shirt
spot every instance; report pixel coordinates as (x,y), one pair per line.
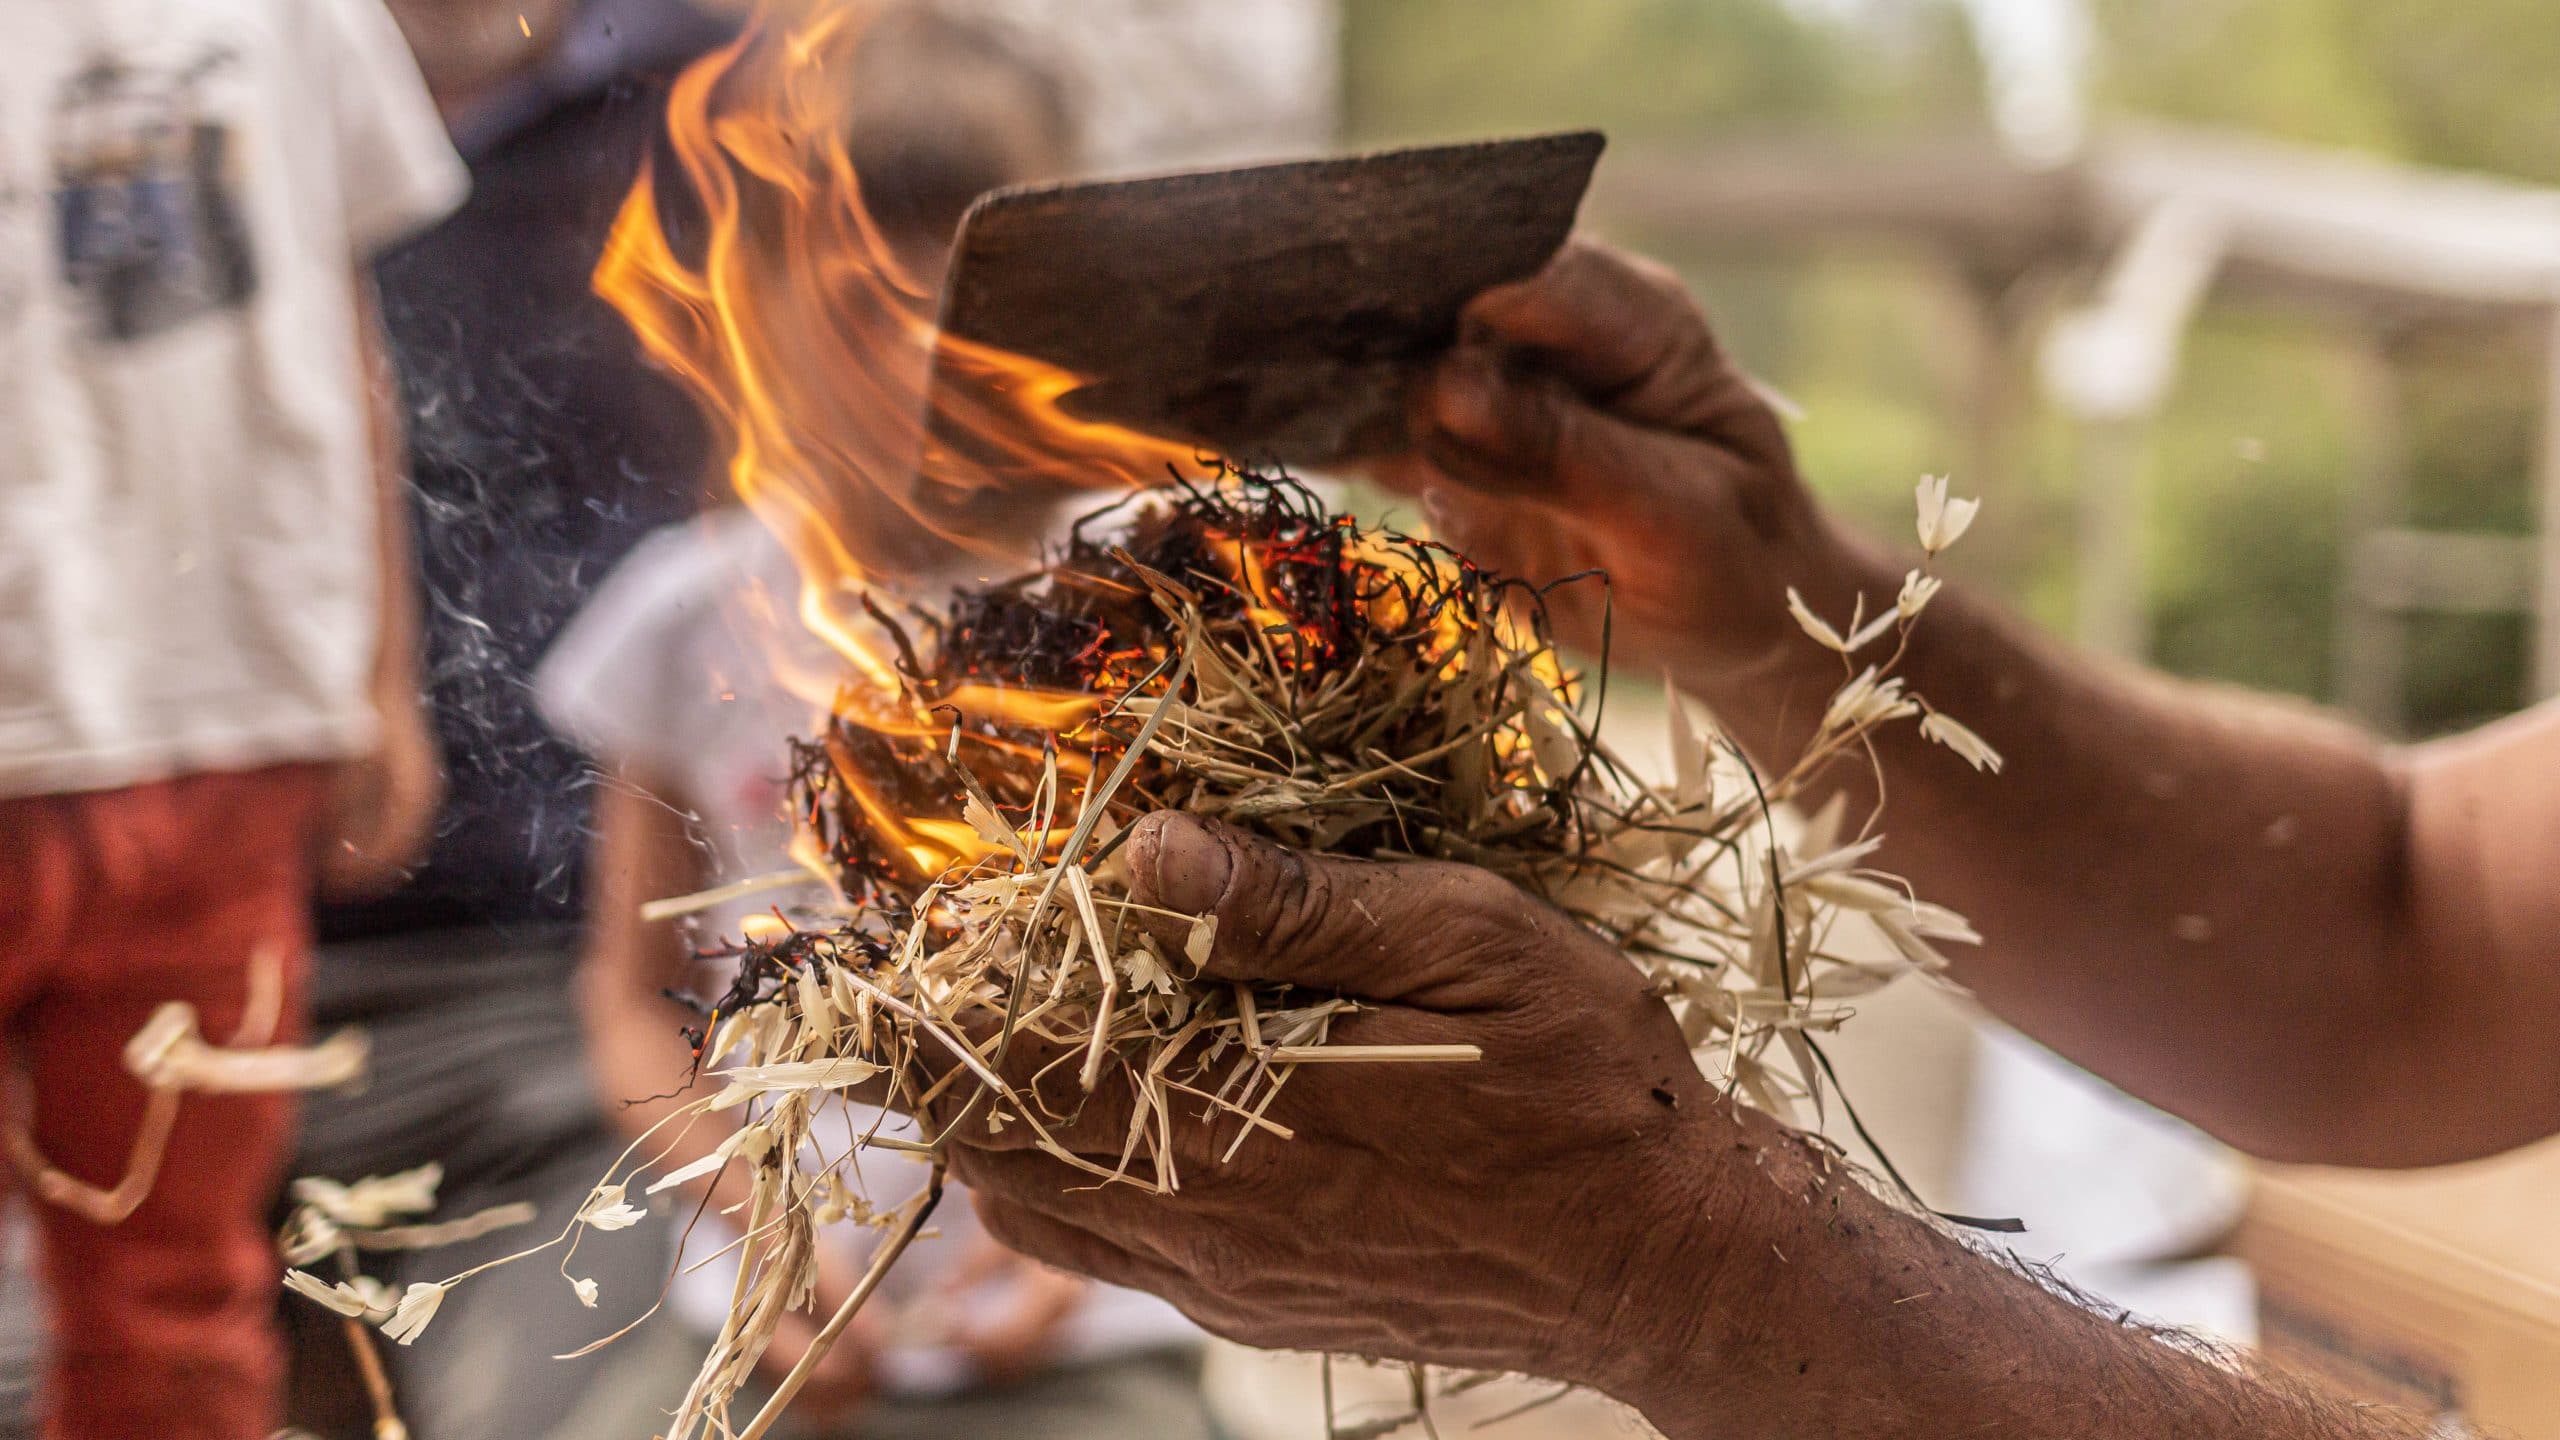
(146,189)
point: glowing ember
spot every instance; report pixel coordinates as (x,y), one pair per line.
(1327,610)
(1232,649)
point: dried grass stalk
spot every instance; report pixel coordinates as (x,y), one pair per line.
(170,1056)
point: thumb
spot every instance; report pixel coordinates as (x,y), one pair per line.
(1355,927)
(1528,436)
(1622,330)
(1622,333)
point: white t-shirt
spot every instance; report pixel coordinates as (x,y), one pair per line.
(187,563)
(670,672)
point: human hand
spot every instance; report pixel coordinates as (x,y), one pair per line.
(1026,1333)
(1587,420)
(847,1375)
(382,806)
(1558,1207)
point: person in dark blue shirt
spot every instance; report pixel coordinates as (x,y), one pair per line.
(543,446)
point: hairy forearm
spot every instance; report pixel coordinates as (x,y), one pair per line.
(2199,894)
(1809,1308)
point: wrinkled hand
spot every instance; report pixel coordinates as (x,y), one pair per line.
(1510,1213)
(1587,420)
(382,806)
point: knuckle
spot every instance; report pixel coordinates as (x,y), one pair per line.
(1221,1266)
(1480,897)
(1549,427)
(1300,899)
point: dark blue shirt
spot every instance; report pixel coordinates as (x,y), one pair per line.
(542,447)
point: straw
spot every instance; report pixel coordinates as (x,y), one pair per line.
(1238,651)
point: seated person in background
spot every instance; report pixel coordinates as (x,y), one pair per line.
(541,447)
(670,678)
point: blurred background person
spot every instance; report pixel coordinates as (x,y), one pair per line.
(542,446)
(208,676)
(678,677)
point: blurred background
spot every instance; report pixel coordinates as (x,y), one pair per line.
(1928,221)
(2239,315)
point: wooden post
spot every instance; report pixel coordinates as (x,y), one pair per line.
(2545,673)
(2370,640)
(2115,501)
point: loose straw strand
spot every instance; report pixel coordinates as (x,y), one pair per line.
(826,1338)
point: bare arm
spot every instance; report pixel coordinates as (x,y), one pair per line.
(1578,1204)
(1844,1316)
(2243,910)
(2240,909)
(644,1073)
(384,804)
(643,851)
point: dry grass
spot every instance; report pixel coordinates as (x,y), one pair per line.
(1235,651)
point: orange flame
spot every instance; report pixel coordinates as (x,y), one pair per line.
(789,314)
(876,448)
(810,342)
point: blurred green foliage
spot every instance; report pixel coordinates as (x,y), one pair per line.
(2252,464)
(1424,69)
(2450,82)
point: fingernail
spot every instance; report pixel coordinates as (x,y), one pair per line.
(1466,398)
(1439,509)
(1445,508)
(1190,864)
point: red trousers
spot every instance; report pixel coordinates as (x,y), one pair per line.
(111,903)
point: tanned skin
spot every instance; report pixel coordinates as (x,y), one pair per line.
(2242,910)
(1580,1203)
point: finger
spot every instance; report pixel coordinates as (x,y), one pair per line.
(1047,1099)
(1489,433)
(1605,321)
(1044,1075)
(1452,514)
(1203,1137)
(1035,1230)
(1391,932)
(1623,332)
(1475,422)
(1242,1297)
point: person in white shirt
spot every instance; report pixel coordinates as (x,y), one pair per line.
(207,681)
